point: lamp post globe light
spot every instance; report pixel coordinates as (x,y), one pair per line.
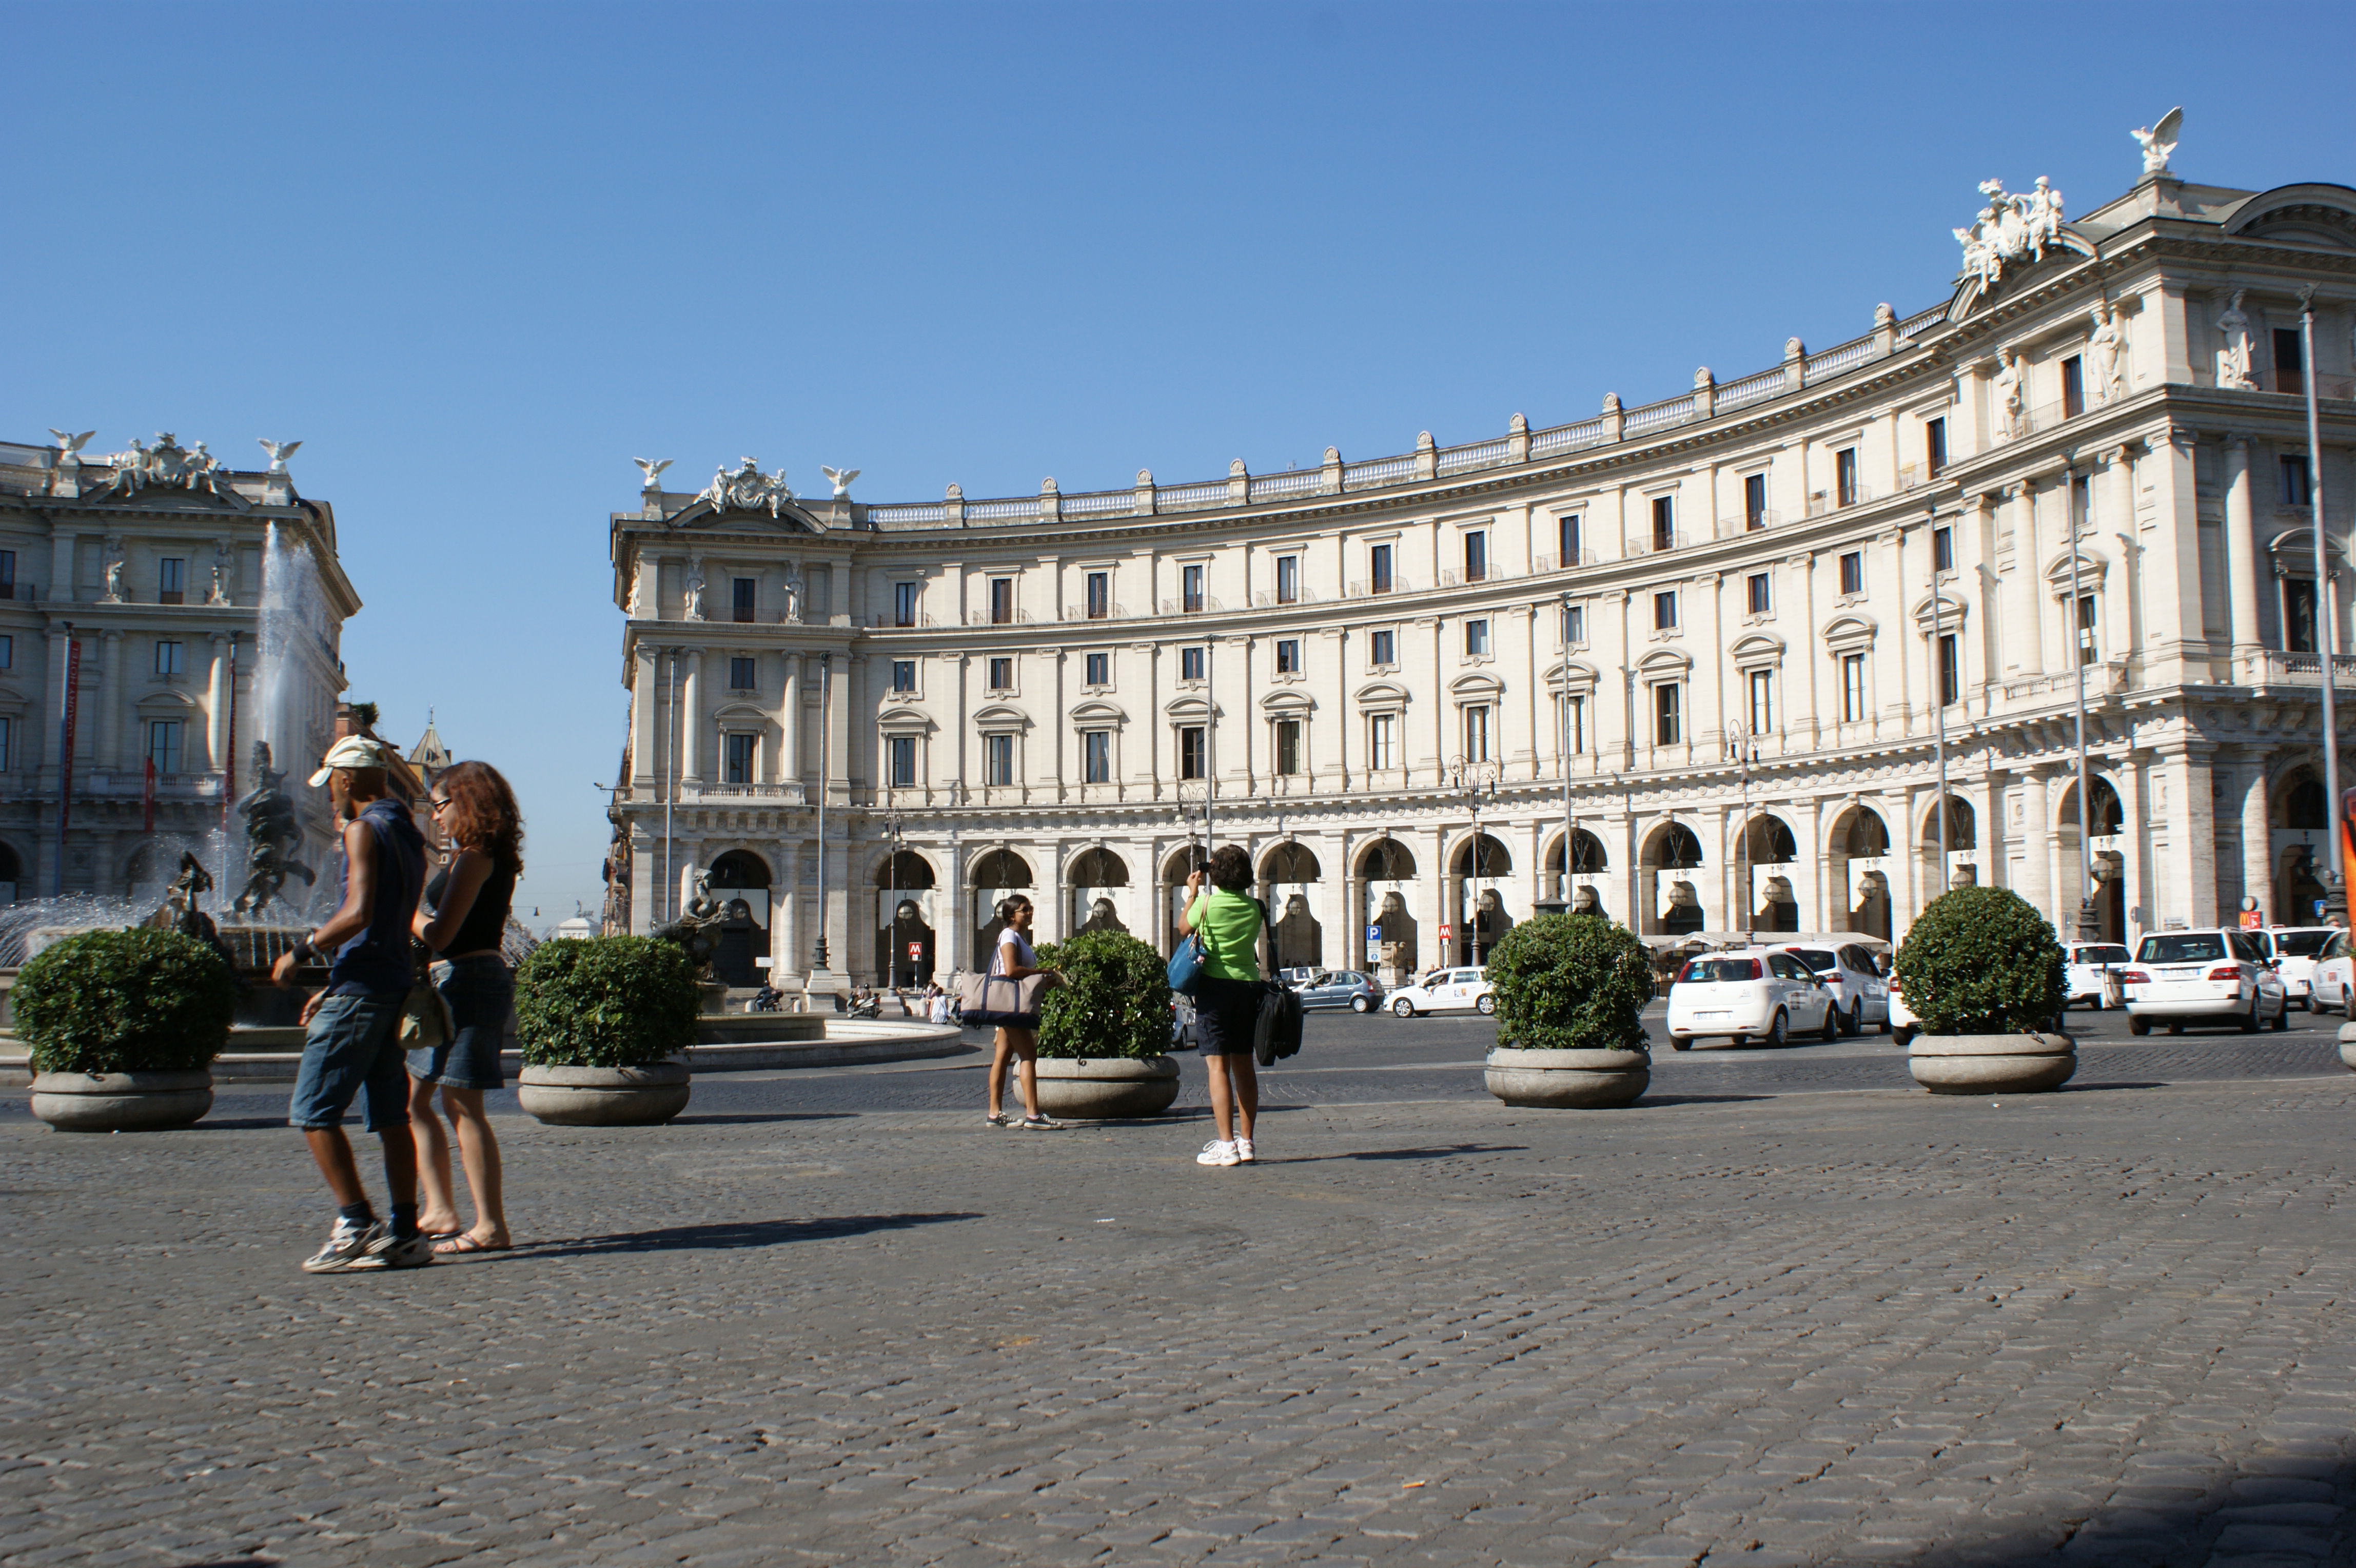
(1472,780)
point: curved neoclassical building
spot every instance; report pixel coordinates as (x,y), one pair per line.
(1741,625)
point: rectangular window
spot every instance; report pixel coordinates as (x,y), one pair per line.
(2073,387)
(7,652)
(998,758)
(164,744)
(1754,501)
(1574,624)
(1476,640)
(1763,702)
(171,581)
(1191,761)
(1288,656)
(1477,556)
(1381,732)
(2298,615)
(1002,674)
(742,590)
(7,573)
(1378,569)
(1844,477)
(903,603)
(1096,755)
(1382,647)
(2296,490)
(1852,571)
(2290,361)
(1949,676)
(1574,725)
(1288,579)
(1935,445)
(1665,611)
(1759,593)
(2089,649)
(1190,589)
(1100,595)
(904,674)
(1942,550)
(1567,528)
(1099,668)
(904,761)
(167,657)
(1287,746)
(1852,687)
(1001,601)
(1665,728)
(1476,733)
(1190,664)
(1665,522)
(741,677)
(739,757)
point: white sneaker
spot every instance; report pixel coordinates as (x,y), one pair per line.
(1216,1153)
(352,1247)
(1244,1154)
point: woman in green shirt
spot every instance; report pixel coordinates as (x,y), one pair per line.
(1227,1007)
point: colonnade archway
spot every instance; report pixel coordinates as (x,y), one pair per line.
(1394,947)
(996,874)
(1856,863)
(739,881)
(1957,848)
(1673,905)
(1764,892)
(1583,890)
(1092,888)
(905,944)
(1288,875)
(2107,861)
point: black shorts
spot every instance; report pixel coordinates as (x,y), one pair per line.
(1226,1015)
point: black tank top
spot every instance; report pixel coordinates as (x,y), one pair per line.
(486,922)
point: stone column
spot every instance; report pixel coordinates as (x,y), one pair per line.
(217,701)
(2257,840)
(646,746)
(790,723)
(106,752)
(2025,638)
(837,719)
(2037,857)
(691,717)
(2241,556)
(787,951)
(950,929)
(2118,524)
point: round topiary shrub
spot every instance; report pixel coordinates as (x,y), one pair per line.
(1570,983)
(135,1001)
(604,1002)
(1114,1002)
(1981,961)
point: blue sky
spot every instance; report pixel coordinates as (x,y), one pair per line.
(476,258)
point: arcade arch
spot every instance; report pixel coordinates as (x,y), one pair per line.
(905,941)
(1478,917)
(1289,874)
(995,874)
(1583,890)
(1673,905)
(1095,884)
(2108,863)
(1387,876)
(1856,865)
(1768,896)
(739,881)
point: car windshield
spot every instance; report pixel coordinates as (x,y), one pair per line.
(2300,944)
(1816,959)
(2189,948)
(2101,955)
(1712,971)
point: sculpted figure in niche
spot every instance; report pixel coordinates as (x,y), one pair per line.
(2010,405)
(2233,359)
(2106,348)
(694,598)
(219,594)
(113,582)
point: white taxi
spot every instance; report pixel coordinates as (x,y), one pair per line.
(2084,964)
(2202,977)
(1762,995)
(1445,991)
(2335,976)
(2295,949)
(1860,994)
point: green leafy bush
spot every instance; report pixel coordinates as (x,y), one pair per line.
(137,1001)
(1570,983)
(1981,961)
(604,1002)
(1115,1001)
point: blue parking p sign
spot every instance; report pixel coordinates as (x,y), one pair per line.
(1374,933)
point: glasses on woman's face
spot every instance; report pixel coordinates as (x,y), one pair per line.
(438,804)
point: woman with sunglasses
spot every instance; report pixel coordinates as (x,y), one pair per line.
(462,917)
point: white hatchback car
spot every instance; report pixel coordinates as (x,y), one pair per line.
(1861,996)
(2335,976)
(2202,977)
(2295,950)
(1762,995)
(2084,964)
(1445,991)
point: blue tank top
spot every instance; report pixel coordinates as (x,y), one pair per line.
(376,962)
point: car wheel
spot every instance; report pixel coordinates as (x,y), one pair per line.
(2176,1026)
(2138,1025)
(1361,1004)
(1677,1045)
(1778,1031)
(1885,1023)
(2254,1023)
(1832,1029)
(1485,1005)
(1853,1024)
(1403,1008)
(2282,1018)
(1904,1035)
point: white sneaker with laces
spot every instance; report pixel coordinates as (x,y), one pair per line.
(350,1247)
(1217,1153)
(1245,1154)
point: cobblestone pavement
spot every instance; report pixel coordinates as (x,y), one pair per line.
(1761,1321)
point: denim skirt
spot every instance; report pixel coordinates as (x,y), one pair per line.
(480,989)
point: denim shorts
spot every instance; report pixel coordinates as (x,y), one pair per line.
(352,1045)
(1226,1014)
(480,989)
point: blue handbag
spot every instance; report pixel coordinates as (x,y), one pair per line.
(1186,965)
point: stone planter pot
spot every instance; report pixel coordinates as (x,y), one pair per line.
(1105,1088)
(1583,1080)
(1991,1064)
(121,1102)
(603,1096)
(2348,1045)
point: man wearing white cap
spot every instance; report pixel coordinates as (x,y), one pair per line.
(352,1044)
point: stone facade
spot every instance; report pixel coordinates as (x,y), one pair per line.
(153,561)
(1742,599)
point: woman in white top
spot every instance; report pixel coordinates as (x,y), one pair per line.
(1014,959)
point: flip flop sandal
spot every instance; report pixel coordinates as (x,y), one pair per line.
(462,1242)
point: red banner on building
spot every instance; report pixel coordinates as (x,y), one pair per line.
(147,799)
(65,757)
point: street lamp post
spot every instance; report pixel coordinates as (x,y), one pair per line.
(1745,754)
(1472,779)
(825,725)
(1939,697)
(2335,886)
(891,881)
(1562,735)
(671,785)
(2090,925)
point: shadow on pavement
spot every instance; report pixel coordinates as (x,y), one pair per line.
(1441,1151)
(1696,1100)
(732,1235)
(719,1118)
(2099,1088)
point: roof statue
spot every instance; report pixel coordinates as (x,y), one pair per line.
(69,446)
(653,472)
(842,478)
(279,452)
(2160,140)
(747,489)
(2014,226)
